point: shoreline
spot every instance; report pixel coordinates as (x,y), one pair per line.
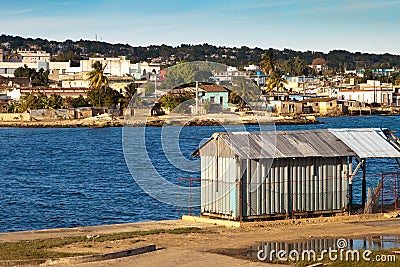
(159,121)
(165,120)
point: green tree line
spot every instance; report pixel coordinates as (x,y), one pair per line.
(109,98)
(337,60)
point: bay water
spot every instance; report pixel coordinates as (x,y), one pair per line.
(56,177)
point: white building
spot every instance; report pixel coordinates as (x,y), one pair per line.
(115,66)
(29,56)
(118,66)
(370,92)
(145,70)
(252,67)
(396,97)
(10,95)
(7,68)
(81,83)
(15,94)
(74,75)
(318,67)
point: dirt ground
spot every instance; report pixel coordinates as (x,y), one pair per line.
(220,246)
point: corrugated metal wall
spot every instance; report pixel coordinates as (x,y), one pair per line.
(273,187)
(294,186)
(219,186)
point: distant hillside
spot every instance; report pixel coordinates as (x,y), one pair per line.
(168,55)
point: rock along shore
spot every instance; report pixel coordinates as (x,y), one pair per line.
(159,121)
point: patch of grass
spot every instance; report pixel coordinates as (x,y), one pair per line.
(39,249)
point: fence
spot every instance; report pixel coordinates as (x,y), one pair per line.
(385,197)
(186,204)
(390,191)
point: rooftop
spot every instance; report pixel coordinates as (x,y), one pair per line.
(367,143)
(212,88)
(325,143)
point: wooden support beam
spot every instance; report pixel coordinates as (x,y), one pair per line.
(351,176)
(364,184)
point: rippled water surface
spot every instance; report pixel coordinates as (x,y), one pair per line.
(75,177)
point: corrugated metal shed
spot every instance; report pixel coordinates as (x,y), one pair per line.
(255,175)
(284,144)
(367,142)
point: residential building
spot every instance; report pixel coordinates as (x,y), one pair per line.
(7,95)
(322,105)
(29,56)
(285,107)
(145,70)
(371,92)
(64,92)
(377,72)
(319,64)
(252,72)
(252,67)
(396,97)
(354,107)
(301,83)
(73,72)
(119,66)
(319,67)
(214,94)
(13,82)
(74,83)
(7,68)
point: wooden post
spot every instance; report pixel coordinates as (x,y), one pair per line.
(350,184)
(364,184)
(395,191)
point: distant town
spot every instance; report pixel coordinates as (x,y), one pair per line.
(70,83)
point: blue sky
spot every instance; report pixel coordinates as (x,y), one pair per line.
(317,25)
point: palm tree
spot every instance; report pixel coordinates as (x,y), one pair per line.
(131,93)
(14,107)
(97,79)
(243,91)
(130,90)
(268,62)
(397,81)
(276,82)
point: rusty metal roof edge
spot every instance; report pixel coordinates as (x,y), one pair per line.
(361,153)
(351,151)
(213,136)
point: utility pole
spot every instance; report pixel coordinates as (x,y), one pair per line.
(155,83)
(197,98)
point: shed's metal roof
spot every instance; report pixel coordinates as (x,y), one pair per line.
(285,144)
(367,142)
